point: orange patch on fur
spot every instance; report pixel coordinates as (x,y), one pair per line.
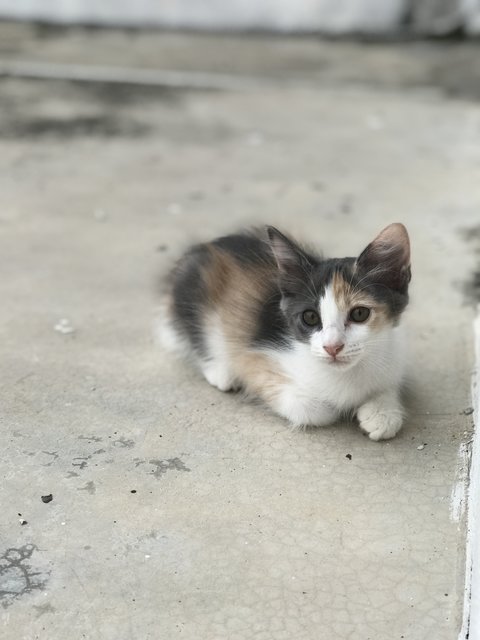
(260,374)
(236,293)
(348,297)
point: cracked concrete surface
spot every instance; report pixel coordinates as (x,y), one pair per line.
(179,511)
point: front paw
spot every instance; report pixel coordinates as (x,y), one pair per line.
(219,376)
(380,420)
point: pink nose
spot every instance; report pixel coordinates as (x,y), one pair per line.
(333,349)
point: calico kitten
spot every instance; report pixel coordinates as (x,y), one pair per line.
(315,338)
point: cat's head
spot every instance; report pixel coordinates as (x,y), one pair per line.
(343,307)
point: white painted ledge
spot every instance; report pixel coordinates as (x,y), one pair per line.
(335,17)
(471,615)
(471,12)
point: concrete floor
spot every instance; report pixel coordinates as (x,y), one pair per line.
(179,511)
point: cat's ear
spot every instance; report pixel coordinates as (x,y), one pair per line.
(290,258)
(387,258)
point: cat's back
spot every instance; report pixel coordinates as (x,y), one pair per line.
(206,270)
(224,283)
(249,249)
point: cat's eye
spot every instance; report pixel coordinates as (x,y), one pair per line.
(359,314)
(311,318)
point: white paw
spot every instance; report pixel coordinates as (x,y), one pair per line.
(219,376)
(381,422)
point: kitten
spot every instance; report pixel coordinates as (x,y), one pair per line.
(315,338)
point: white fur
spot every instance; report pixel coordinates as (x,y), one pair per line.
(320,390)
(165,334)
(329,310)
(382,416)
(333,325)
(217,367)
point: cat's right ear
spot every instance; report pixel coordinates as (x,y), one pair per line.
(387,258)
(289,256)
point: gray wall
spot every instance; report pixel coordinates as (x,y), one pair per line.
(331,16)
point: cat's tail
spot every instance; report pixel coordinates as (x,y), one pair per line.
(165,334)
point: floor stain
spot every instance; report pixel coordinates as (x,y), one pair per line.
(81,462)
(89,488)
(170,464)
(471,288)
(124,442)
(90,438)
(17,577)
(98,125)
(43,609)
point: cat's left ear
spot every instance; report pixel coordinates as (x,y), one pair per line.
(289,256)
(387,258)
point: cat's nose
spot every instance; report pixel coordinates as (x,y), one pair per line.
(333,349)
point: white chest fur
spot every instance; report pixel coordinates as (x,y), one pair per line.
(318,392)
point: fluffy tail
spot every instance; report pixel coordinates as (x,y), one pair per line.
(165,333)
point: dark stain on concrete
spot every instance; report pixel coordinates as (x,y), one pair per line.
(170,464)
(81,462)
(126,94)
(89,488)
(456,75)
(153,535)
(43,609)
(471,287)
(97,125)
(17,577)
(124,442)
(90,438)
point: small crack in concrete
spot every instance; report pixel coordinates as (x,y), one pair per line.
(17,577)
(54,455)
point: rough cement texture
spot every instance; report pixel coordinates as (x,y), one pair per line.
(450,68)
(179,511)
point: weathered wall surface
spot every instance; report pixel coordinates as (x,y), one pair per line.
(336,16)
(329,16)
(471,9)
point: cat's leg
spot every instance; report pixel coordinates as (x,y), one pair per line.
(382,416)
(218,374)
(216,366)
